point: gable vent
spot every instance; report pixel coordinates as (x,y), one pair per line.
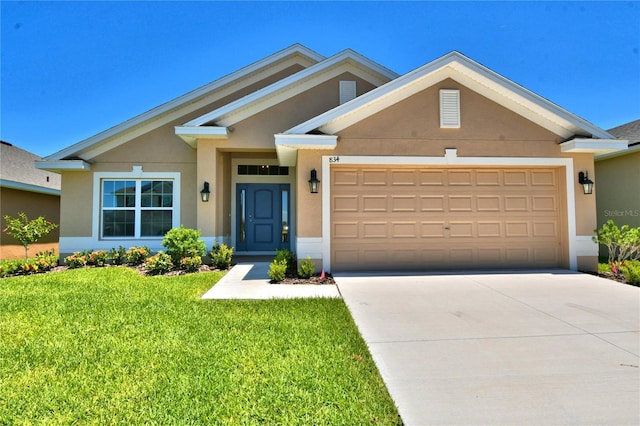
(347,91)
(450,108)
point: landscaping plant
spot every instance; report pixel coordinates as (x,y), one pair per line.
(137,255)
(158,264)
(623,243)
(307,268)
(183,242)
(277,270)
(27,231)
(221,256)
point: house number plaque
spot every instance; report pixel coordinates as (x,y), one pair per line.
(334,160)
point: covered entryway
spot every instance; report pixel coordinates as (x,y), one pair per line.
(431,218)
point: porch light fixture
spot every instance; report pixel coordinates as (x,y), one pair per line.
(204,194)
(314,182)
(587,184)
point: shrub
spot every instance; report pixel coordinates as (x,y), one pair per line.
(622,243)
(98,258)
(277,270)
(136,255)
(307,268)
(10,267)
(191,263)
(221,256)
(631,271)
(46,260)
(289,259)
(183,242)
(118,256)
(77,259)
(159,263)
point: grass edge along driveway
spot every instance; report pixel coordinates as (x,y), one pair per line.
(107,345)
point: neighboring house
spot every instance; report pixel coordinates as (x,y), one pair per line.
(448,166)
(618,179)
(23,188)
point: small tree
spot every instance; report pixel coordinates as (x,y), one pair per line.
(27,231)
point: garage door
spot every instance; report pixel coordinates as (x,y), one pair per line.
(446,218)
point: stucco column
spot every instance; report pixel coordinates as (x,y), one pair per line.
(206,212)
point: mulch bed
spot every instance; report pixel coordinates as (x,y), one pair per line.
(314,280)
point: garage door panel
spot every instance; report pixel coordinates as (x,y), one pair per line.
(437,218)
(403,203)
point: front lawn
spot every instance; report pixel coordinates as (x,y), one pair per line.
(109,346)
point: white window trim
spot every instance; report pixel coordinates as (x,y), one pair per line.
(135,174)
(577,244)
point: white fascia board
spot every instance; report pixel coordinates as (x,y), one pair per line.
(64,165)
(191,134)
(594,146)
(185,104)
(287,146)
(631,149)
(28,187)
(346,61)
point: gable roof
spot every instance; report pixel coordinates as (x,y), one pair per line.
(629,131)
(18,171)
(111,138)
(213,123)
(469,73)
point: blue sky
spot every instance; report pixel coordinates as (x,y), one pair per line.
(70,70)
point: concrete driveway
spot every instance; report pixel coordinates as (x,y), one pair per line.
(529,348)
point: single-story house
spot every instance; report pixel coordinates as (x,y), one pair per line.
(342,160)
(23,188)
(618,179)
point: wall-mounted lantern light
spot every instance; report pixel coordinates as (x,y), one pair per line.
(587,184)
(204,194)
(314,182)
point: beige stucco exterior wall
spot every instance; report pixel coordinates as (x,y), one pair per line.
(617,188)
(412,128)
(33,204)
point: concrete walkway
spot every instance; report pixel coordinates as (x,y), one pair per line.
(250,281)
(483,349)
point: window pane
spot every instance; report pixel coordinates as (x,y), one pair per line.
(155,223)
(118,223)
(157,193)
(285,216)
(243,212)
(118,193)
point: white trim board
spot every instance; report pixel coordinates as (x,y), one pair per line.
(574,241)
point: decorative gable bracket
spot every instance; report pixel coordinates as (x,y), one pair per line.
(191,134)
(287,146)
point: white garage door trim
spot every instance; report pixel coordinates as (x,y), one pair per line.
(450,159)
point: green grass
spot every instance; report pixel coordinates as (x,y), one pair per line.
(108,346)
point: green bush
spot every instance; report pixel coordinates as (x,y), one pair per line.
(98,258)
(277,270)
(10,267)
(622,243)
(136,255)
(191,263)
(118,256)
(46,260)
(631,271)
(289,259)
(307,268)
(78,259)
(221,256)
(183,242)
(159,263)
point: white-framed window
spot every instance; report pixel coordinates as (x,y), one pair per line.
(137,204)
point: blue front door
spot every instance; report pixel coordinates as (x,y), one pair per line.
(262,222)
